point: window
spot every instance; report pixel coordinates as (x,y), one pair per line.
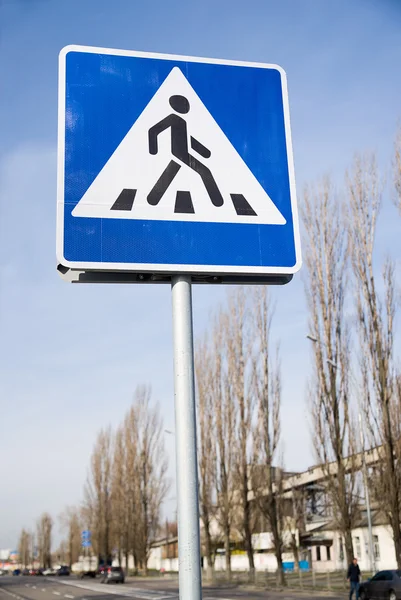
(379,576)
(376,547)
(328,552)
(357,541)
(318,555)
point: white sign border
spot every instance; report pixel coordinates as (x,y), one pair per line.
(168,268)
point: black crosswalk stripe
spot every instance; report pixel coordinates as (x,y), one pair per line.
(125,200)
(183,203)
(242,206)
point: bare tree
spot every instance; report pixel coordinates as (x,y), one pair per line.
(119,490)
(61,555)
(295,522)
(149,468)
(326,256)
(267,381)
(131,488)
(206,444)
(397,168)
(71,522)
(126,485)
(98,495)
(376,315)
(225,429)
(44,539)
(24,548)
(237,339)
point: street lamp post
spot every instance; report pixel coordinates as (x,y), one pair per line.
(364,466)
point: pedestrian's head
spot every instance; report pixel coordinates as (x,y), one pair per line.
(355,561)
(180,104)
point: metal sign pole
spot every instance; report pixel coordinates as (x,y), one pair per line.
(185,436)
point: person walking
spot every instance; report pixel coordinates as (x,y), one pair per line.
(354,576)
(179,149)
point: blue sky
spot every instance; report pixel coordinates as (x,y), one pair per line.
(69,360)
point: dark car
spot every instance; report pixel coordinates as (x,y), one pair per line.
(91,574)
(63,571)
(384,585)
(17,572)
(113,575)
(25,572)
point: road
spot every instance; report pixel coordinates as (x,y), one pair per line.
(40,588)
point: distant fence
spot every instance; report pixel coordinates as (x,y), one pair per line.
(332,581)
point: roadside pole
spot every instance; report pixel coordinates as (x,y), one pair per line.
(185,436)
(222,227)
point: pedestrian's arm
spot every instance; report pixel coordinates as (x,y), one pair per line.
(200,148)
(154,132)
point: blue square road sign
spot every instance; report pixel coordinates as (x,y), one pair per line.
(172,164)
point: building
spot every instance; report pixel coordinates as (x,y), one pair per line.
(326,546)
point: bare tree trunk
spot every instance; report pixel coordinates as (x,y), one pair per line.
(267,382)
(24,548)
(376,316)
(206,446)
(326,253)
(147,472)
(118,493)
(296,523)
(71,521)
(227,549)
(225,410)
(295,550)
(238,343)
(44,535)
(98,494)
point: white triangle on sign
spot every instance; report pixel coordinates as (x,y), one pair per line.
(122,187)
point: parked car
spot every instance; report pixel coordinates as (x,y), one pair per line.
(63,571)
(17,572)
(102,568)
(384,585)
(49,571)
(113,575)
(25,572)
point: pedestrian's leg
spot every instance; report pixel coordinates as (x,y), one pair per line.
(161,185)
(351,590)
(357,591)
(208,180)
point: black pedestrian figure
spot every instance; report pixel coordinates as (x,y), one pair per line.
(179,149)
